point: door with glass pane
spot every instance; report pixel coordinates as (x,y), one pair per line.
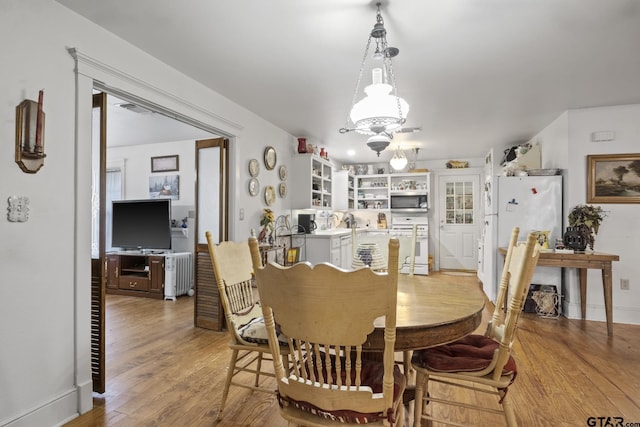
(459,230)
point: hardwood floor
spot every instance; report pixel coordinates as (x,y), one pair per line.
(161,371)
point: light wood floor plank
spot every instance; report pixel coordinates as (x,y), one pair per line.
(161,371)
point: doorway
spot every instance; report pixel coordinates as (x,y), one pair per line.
(459,215)
(116,186)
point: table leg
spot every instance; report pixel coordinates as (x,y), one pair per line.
(583,291)
(608,290)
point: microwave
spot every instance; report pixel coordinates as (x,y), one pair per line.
(410,202)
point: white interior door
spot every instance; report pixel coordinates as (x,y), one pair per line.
(459,215)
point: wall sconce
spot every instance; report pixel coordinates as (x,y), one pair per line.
(30,135)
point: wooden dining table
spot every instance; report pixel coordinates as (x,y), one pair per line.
(430,313)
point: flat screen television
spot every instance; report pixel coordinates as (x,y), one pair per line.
(141,224)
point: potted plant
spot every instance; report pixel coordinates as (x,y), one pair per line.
(586,219)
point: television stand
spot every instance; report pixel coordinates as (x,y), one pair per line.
(135,274)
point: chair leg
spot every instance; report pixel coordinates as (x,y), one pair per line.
(258,369)
(418,401)
(406,362)
(400,415)
(508,410)
(230,371)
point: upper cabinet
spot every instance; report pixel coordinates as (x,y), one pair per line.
(410,183)
(311,186)
(372,191)
(343,190)
(375,191)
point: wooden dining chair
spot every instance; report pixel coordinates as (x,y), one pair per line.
(500,305)
(482,363)
(406,252)
(326,313)
(233,270)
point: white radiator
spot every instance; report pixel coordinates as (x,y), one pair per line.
(178,275)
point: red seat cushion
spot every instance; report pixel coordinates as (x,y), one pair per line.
(468,354)
(372,374)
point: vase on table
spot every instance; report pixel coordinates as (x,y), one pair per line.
(263,234)
(574,239)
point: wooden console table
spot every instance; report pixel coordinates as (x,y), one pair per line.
(582,262)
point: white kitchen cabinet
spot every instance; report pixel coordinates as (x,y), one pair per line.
(336,248)
(346,251)
(310,183)
(375,191)
(372,191)
(343,190)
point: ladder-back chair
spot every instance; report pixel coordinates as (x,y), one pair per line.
(406,252)
(482,363)
(233,270)
(326,314)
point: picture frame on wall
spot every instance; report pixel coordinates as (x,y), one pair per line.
(613,178)
(165,163)
(164,187)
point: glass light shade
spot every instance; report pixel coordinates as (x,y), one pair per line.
(399,160)
(378,111)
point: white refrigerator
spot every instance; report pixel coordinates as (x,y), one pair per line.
(531,203)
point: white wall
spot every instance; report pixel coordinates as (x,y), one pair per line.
(44,314)
(619,231)
(138,168)
(566,142)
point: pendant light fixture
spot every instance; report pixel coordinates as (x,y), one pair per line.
(381,112)
(399,159)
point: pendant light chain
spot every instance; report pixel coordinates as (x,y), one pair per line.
(375,113)
(345,129)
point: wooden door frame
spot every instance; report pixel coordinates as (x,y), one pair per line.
(207,311)
(98,270)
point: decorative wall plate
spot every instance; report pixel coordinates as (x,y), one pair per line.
(254,167)
(282,189)
(270,158)
(254,186)
(269,195)
(283,173)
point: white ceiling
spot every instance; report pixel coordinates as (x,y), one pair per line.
(476,73)
(137,125)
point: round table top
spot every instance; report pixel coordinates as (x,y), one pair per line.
(431,313)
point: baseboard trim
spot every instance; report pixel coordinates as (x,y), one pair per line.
(56,412)
(626,315)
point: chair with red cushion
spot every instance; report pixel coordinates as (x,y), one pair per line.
(326,313)
(479,362)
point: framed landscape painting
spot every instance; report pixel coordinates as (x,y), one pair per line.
(613,178)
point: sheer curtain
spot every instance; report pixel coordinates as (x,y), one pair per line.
(114,181)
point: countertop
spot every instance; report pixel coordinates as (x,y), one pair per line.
(333,232)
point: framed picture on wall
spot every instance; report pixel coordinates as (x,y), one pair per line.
(613,178)
(164,163)
(164,187)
